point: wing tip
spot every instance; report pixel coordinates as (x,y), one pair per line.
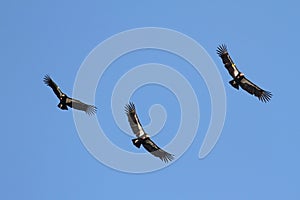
(163,155)
(265,96)
(91,110)
(47,79)
(167,157)
(130,107)
(222,49)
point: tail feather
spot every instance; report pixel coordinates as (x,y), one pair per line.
(234,84)
(62,106)
(137,142)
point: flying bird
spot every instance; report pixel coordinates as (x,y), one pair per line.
(66,101)
(142,137)
(239,78)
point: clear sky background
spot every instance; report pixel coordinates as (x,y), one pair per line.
(42,157)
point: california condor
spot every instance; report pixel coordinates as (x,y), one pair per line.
(142,137)
(67,101)
(239,78)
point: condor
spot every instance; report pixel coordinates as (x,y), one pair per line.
(239,78)
(66,101)
(142,137)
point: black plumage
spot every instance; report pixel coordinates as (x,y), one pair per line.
(66,101)
(142,137)
(239,78)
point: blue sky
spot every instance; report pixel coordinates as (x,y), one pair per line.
(42,155)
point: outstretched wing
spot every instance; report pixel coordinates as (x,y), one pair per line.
(150,146)
(48,81)
(227,61)
(134,120)
(76,104)
(253,89)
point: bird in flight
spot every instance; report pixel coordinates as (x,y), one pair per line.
(66,101)
(142,137)
(239,78)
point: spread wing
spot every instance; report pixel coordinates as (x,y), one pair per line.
(150,146)
(227,61)
(134,120)
(76,104)
(253,89)
(48,81)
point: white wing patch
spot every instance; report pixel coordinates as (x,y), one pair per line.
(236,72)
(134,122)
(137,128)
